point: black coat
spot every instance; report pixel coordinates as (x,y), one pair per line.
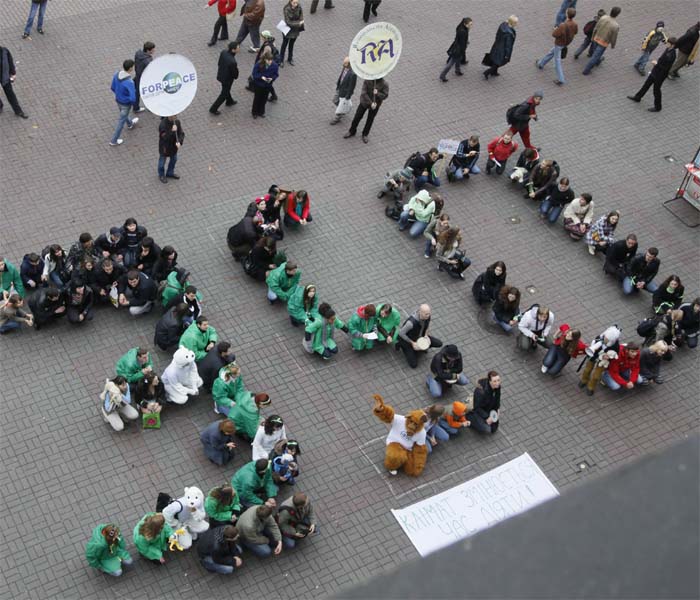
(141,60)
(132,240)
(212,543)
(259,260)
(617,257)
(169,328)
(346,88)
(641,270)
(503,45)
(690,323)
(43,308)
(168,138)
(208,368)
(162,268)
(104,281)
(421,163)
(148,261)
(460,43)
(687,41)
(242,233)
(228,67)
(443,368)
(7,66)
(144,292)
(663,66)
(505,313)
(104,244)
(649,364)
(667,299)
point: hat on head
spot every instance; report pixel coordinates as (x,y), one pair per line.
(262,400)
(538,94)
(266,34)
(451,351)
(407,172)
(660,24)
(115,231)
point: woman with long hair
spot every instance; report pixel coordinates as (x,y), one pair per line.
(602,234)
(506,308)
(217,439)
(438,224)
(222,506)
(265,72)
(55,267)
(269,433)
(567,344)
(489,283)
(450,256)
(303,305)
(668,296)
(151,536)
(433,430)
(297,211)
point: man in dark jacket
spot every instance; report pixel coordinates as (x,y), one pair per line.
(641,272)
(457,50)
(137,292)
(344,89)
(107,275)
(218,549)
(373,95)
(7,78)
(209,367)
(518,117)
(47,305)
(111,245)
(563,35)
(658,75)
(619,256)
(502,48)
(226,75)
(445,370)
(171,139)
(142,59)
(422,167)
(687,46)
(242,236)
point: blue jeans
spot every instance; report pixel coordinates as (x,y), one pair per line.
(459,173)
(124,110)
(32,13)
(628,287)
(421,180)
(209,564)
(436,386)
(171,165)
(417,228)
(554,53)
(555,360)
(642,61)
(586,42)
(439,434)
(271,296)
(596,58)
(613,385)
(504,325)
(261,550)
(551,212)
(451,62)
(445,427)
(9,326)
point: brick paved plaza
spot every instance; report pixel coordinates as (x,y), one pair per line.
(64,470)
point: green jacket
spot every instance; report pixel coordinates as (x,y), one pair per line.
(152,549)
(226,394)
(422,205)
(246,481)
(390,324)
(280,284)
(197,341)
(128,366)
(102,556)
(245,415)
(220,512)
(173,288)
(251,528)
(357,326)
(295,305)
(10,276)
(322,333)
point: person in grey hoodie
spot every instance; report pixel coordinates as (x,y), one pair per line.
(142,59)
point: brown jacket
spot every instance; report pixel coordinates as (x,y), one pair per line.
(564,34)
(254,12)
(368,96)
(605,32)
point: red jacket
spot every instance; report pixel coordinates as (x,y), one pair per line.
(623,362)
(558,339)
(290,208)
(226,7)
(501,151)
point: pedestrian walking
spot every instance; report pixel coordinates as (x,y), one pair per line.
(518,117)
(650,43)
(457,49)
(171,138)
(588,29)
(604,36)
(8,73)
(37,6)
(294,18)
(687,50)
(253,13)
(561,14)
(224,8)
(373,95)
(563,35)
(658,75)
(265,72)
(314,5)
(372,5)
(125,95)
(227,73)
(502,48)
(344,89)
(142,59)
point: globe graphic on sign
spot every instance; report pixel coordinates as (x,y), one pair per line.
(172,82)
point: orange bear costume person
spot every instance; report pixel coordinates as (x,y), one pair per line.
(405,444)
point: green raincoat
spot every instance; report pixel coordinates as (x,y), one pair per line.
(280,284)
(225,394)
(295,304)
(10,277)
(128,366)
(221,512)
(388,324)
(246,482)
(152,549)
(173,288)
(245,414)
(322,333)
(197,341)
(359,325)
(103,556)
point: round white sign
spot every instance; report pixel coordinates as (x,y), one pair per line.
(168,85)
(375,50)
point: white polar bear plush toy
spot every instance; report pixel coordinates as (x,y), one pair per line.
(187,513)
(180,378)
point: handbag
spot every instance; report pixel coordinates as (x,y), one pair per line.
(564,52)
(486,61)
(344,106)
(114,297)
(151,420)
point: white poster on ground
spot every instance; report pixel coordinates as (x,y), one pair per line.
(460,512)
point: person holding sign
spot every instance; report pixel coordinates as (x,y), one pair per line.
(373,95)
(171,139)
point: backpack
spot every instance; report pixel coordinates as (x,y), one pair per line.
(510,112)
(166,500)
(394,211)
(411,158)
(589,27)
(646,327)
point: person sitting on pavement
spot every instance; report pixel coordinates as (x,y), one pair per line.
(170,326)
(259,531)
(420,209)
(166,264)
(217,439)
(500,150)
(106,550)
(219,551)
(601,235)
(397,183)
(388,321)
(433,430)
(438,224)
(116,403)
(296,519)
(47,305)
(80,250)
(650,362)
(423,167)
(147,254)
(30,270)
(318,334)
(619,256)
(106,284)
(303,305)
(445,370)
(79,303)
(641,271)
(282,281)
(600,352)
(261,260)
(489,283)
(56,270)
(191,297)
(506,308)
(484,417)
(450,257)
(668,330)
(624,370)
(243,236)
(454,418)
(137,292)
(527,161)
(690,323)
(222,506)
(566,345)
(246,414)
(363,327)
(12,316)
(228,388)
(542,180)
(463,163)
(112,245)
(200,337)
(553,204)
(270,432)
(209,367)
(534,327)
(578,215)
(134,364)
(253,482)
(668,295)
(10,280)
(297,210)
(416,328)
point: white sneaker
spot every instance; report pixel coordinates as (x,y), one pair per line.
(394,472)
(544,369)
(133,122)
(119,142)
(426,256)
(216,410)
(591,250)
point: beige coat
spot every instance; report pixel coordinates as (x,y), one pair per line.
(605,32)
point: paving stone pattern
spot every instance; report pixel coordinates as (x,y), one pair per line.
(64,470)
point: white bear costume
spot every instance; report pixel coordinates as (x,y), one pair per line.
(180,378)
(187,513)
